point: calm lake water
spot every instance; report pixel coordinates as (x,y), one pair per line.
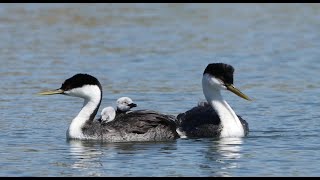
(156,54)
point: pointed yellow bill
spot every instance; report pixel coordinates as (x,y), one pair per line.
(51,92)
(233,89)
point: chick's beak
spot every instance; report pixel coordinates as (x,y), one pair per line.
(132,105)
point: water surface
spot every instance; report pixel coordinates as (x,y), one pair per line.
(155,54)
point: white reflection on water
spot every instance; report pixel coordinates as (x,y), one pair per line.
(121,159)
(85,156)
(230,151)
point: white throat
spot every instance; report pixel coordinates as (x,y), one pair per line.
(92,97)
(230,123)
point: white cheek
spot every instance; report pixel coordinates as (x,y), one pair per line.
(85,91)
(215,82)
(75,92)
(68,93)
(123,107)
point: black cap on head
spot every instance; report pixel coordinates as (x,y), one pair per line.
(221,71)
(79,80)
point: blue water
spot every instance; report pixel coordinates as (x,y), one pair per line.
(155,54)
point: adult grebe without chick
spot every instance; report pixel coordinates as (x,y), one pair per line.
(214,118)
(143,125)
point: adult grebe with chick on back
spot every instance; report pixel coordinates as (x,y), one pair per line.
(140,125)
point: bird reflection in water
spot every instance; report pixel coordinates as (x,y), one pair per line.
(230,153)
(86,156)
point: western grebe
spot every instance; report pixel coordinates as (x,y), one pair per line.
(143,125)
(124,105)
(214,118)
(107,114)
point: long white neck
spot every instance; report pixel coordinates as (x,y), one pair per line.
(230,123)
(87,113)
